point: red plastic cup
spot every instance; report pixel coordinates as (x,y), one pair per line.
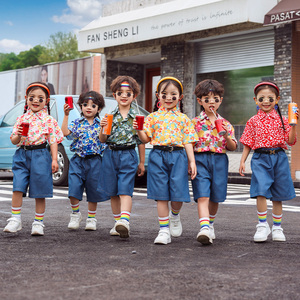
(219,127)
(69,101)
(107,128)
(140,122)
(25,128)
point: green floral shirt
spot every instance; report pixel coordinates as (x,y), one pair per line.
(122,132)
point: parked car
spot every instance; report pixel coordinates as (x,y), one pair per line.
(7,121)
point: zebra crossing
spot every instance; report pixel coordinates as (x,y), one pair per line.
(237,194)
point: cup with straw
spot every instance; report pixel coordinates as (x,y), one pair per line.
(139,118)
(219,125)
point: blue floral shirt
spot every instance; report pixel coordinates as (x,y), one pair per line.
(85,137)
(122,132)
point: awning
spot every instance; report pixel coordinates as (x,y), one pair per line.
(284,11)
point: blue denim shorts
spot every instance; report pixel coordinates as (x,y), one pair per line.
(212,176)
(33,168)
(167,176)
(119,168)
(271,177)
(84,175)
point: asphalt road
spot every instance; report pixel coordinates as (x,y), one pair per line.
(67,264)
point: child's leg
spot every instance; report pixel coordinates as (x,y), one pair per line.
(75,216)
(203,212)
(262,228)
(14,222)
(174,217)
(164,236)
(122,226)
(91,221)
(116,210)
(213,210)
(277,231)
(37,225)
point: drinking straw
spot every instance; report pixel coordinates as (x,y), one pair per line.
(214,113)
(137,107)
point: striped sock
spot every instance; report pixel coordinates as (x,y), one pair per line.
(117,217)
(277,220)
(91,214)
(262,216)
(125,215)
(75,208)
(39,217)
(174,212)
(204,222)
(163,222)
(16,212)
(212,219)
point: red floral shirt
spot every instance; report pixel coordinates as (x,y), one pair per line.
(265,130)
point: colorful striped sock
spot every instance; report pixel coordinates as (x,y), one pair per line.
(204,222)
(212,219)
(75,208)
(163,222)
(175,212)
(262,216)
(125,215)
(91,214)
(277,220)
(39,217)
(117,217)
(16,212)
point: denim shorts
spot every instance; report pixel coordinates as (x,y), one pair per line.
(212,176)
(119,168)
(33,168)
(84,175)
(271,177)
(167,176)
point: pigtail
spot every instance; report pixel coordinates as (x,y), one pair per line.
(181,105)
(25,107)
(279,112)
(156,105)
(48,106)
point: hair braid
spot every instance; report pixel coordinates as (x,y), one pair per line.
(279,112)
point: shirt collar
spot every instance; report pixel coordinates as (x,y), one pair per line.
(131,112)
(261,114)
(96,120)
(40,114)
(164,111)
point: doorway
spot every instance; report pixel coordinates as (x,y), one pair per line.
(152,78)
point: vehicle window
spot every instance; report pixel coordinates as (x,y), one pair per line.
(11,117)
(53,109)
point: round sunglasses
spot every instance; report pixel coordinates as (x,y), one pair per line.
(216,100)
(85,105)
(165,97)
(127,94)
(261,99)
(40,99)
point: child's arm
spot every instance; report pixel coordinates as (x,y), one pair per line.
(64,125)
(245,154)
(15,139)
(292,134)
(141,167)
(53,149)
(192,169)
(103,137)
(231,145)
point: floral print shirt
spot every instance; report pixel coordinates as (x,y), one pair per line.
(209,139)
(42,128)
(169,128)
(122,132)
(264,130)
(85,137)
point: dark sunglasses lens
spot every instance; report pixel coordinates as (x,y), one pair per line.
(119,94)
(217,100)
(271,100)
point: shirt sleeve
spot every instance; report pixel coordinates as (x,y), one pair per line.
(148,125)
(247,137)
(190,135)
(15,128)
(55,133)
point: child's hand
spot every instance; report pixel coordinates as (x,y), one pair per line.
(242,169)
(20,129)
(192,170)
(134,124)
(141,169)
(103,122)
(54,166)
(66,109)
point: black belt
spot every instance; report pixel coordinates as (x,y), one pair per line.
(91,156)
(167,148)
(266,151)
(34,147)
(208,152)
(120,147)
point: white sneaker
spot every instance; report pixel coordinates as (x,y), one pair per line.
(262,232)
(277,234)
(122,227)
(204,236)
(91,224)
(163,237)
(212,232)
(175,225)
(37,228)
(74,220)
(113,231)
(14,224)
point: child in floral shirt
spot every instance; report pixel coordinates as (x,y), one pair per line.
(210,184)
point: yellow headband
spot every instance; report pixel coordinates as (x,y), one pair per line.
(170,78)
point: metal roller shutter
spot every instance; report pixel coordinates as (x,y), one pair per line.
(247,50)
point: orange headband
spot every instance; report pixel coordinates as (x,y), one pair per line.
(170,78)
(38,85)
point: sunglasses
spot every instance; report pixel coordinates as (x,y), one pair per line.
(165,97)
(85,105)
(262,99)
(126,94)
(40,99)
(216,100)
